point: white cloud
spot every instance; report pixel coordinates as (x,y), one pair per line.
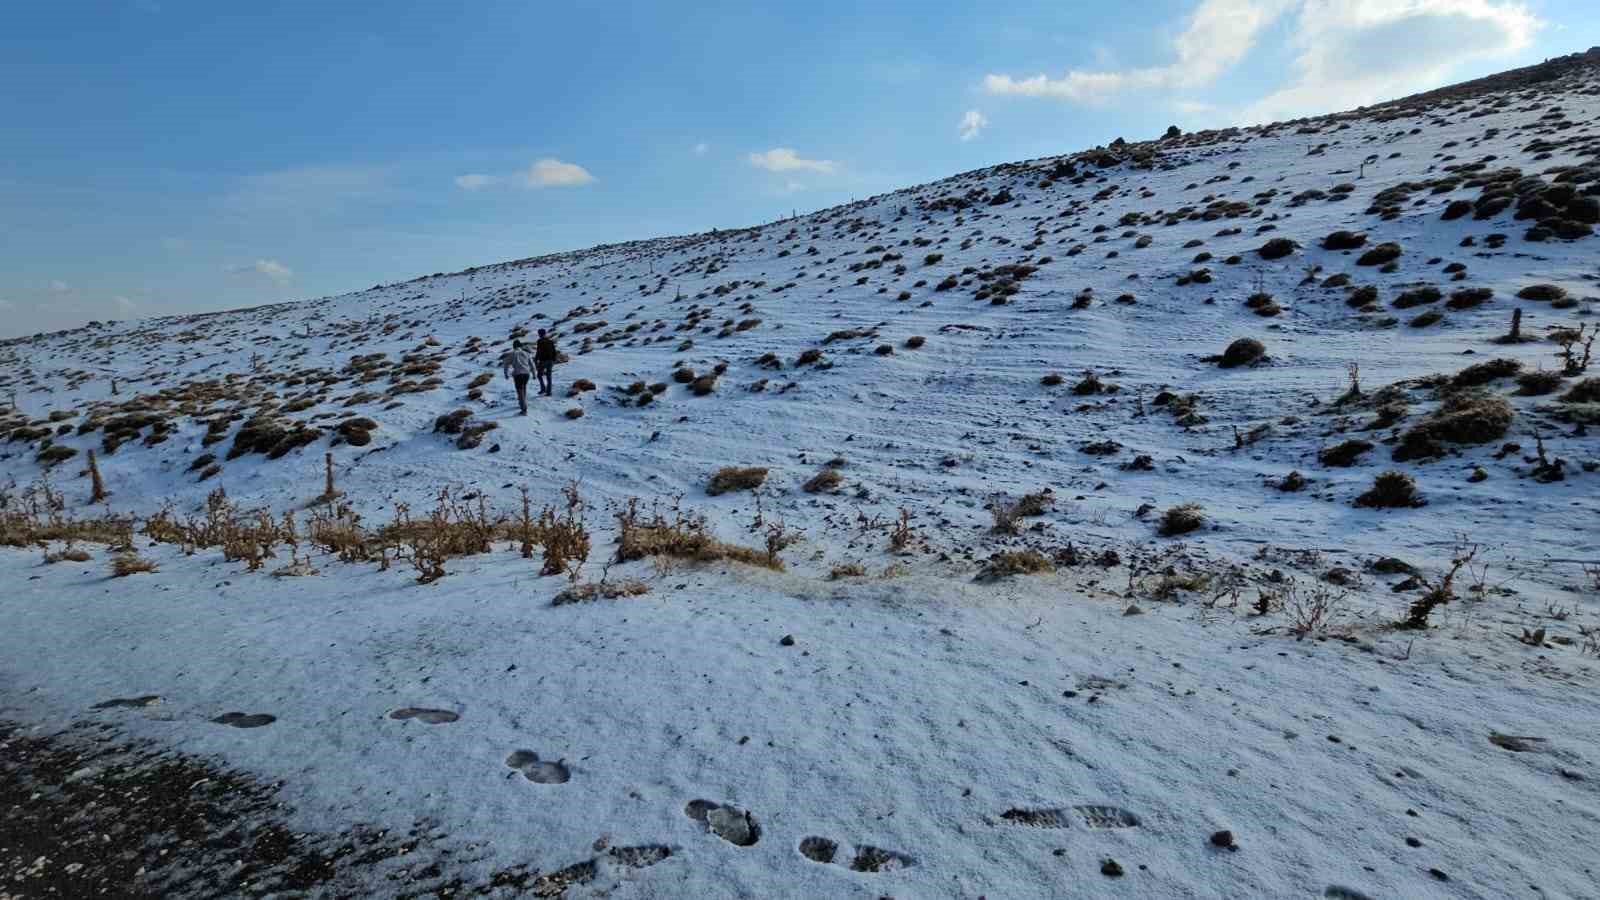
(973,124)
(60,287)
(7,306)
(270,268)
(474,182)
(1216,37)
(542,173)
(1356,52)
(783,159)
(702,148)
(555,173)
(124,305)
(1346,52)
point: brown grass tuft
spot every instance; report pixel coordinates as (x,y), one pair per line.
(684,536)
(736,478)
(1391,490)
(1181,519)
(130,563)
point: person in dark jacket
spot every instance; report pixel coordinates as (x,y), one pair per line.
(545,356)
(516,363)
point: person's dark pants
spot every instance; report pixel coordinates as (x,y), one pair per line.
(547,373)
(521,380)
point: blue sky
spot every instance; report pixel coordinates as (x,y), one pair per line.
(168,156)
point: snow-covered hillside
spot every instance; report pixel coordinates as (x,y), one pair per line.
(1054,329)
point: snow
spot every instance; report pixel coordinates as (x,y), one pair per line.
(918,704)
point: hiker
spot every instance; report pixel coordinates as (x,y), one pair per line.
(544,362)
(517,364)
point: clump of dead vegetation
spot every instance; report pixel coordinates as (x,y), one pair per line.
(454,527)
(1439,592)
(1391,490)
(1181,519)
(1008,514)
(1242,352)
(1007,563)
(684,536)
(736,478)
(37,516)
(828,479)
(1469,416)
(130,563)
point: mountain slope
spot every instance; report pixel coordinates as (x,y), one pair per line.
(905,343)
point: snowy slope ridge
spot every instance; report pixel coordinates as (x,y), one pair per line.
(1068,330)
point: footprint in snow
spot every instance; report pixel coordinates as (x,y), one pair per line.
(732,824)
(556,883)
(867,859)
(122,702)
(245,720)
(1095,817)
(428,716)
(539,771)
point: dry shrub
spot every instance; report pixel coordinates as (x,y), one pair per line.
(1537,384)
(357,432)
(1035,504)
(1439,592)
(1243,351)
(575,412)
(250,539)
(472,435)
(1311,608)
(37,516)
(683,375)
(1008,514)
(455,527)
(1468,298)
(1015,562)
(452,422)
(1465,417)
(1391,490)
(1053,379)
(579,386)
(55,453)
(684,536)
(1379,255)
(1543,292)
(1585,391)
(130,563)
(901,535)
(847,570)
(915,341)
(1485,372)
(1345,454)
(564,535)
(826,480)
(1181,519)
(736,478)
(703,385)
(337,530)
(69,554)
(1420,296)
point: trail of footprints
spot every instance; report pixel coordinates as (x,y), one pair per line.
(1094,817)
(729,822)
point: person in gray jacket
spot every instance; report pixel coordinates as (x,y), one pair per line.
(517,364)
